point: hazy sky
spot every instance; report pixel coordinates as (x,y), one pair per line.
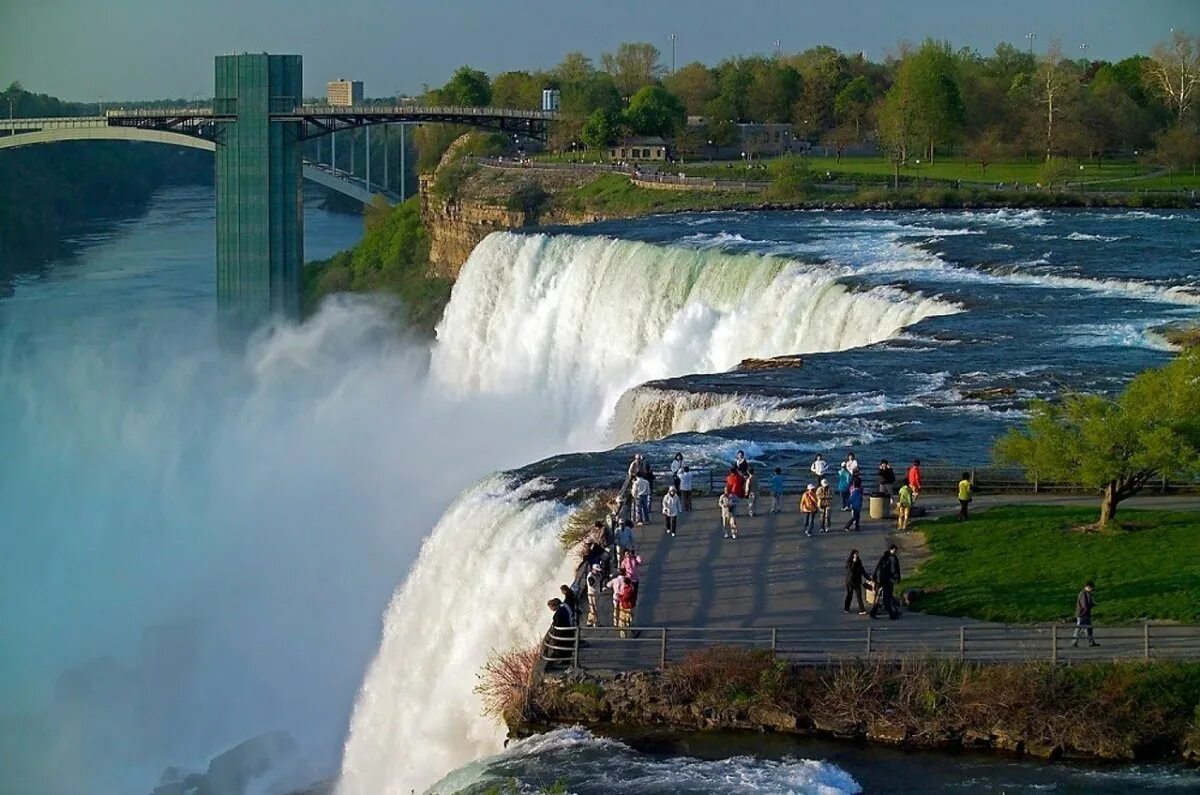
(139,49)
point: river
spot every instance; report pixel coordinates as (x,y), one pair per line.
(327,534)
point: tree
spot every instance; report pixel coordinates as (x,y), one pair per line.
(695,84)
(467,87)
(594,93)
(1173,71)
(1051,86)
(897,124)
(575,67)
(790,175)
(930,81)
(840,138)
(517,90)
(774,89)
(633,66)
(853,102)
(824,72)
(601,129)
(986,149)
(655,111)
(1177,149)
(1115,444)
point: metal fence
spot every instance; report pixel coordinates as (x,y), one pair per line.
(644,648)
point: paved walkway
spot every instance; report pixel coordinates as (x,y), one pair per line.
(772,576)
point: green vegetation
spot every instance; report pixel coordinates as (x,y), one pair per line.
(1026,564)
(790,177)
(1115,444)
(615,194)
(393,257)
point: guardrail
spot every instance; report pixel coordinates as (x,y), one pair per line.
(644,648)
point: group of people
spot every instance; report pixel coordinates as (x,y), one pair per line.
(882,582)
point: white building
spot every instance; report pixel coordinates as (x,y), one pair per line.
(344,93)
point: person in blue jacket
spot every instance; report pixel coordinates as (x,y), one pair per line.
(855,499)
(844,481)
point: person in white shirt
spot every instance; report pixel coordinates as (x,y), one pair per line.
(685,487)
(851,464)
(641,495)
(728,501)
(676,468)
(819,466)
(671,507)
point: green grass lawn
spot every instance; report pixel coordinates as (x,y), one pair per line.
(1027,564)
(614,193)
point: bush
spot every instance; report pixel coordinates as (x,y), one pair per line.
(791,175)
(720,673)
(504,681)
(450,178)
(529,198)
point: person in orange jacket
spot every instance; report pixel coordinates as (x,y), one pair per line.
(914,478)
(808,507)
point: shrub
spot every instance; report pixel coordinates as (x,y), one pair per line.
(504,681)
(529,198)
(722,673)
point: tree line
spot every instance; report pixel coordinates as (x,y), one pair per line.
(926,101)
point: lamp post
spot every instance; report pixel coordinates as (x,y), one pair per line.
(673,37)
(1083,50)
(710,150)
(778,48)
(1031,36)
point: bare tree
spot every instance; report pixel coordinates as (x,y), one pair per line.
(1051,86)
(633,65)
(1173,70)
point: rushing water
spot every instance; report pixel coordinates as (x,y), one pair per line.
(197,547)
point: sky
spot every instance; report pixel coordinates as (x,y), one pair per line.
(148,49)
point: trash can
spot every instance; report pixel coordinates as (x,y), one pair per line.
(880,509)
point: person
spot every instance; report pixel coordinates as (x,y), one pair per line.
(629,567)
(904,501)
(641,493)
(851,464)
(685,487)
(622,601)
(914,478)
(824,503)
(887,574)
(844,479)
(570,599)
(751,492)
(819,466)
(735,483)
(1083,614)
(728,503)
(887,480)
(741,464)
(595,581)
(671,506)
(635,466)
(624,540)
(964,496)
(808,507)
(676,468)
(856,575)
(856,500)
(776,486)
(557,639)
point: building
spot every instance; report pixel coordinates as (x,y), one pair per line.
(551,98)
(754,140)
(650,148)
(344,93)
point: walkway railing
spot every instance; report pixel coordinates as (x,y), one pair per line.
(645,648)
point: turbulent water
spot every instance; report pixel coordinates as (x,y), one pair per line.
(198,547)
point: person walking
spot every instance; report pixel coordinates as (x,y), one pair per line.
(676,468)
(887,574)
(728,503)
(808,507)
(856,500)
(856,575)
(641,495)
(824,503)
(964,496)
(851,464)
(735,483)
(904,502)
(1083,614)
(887,481)
(776,490)
(671,507)
(685,487)
(595,581)
(751,486)
(624,541)
(844,480)
(819,466)
(913,476)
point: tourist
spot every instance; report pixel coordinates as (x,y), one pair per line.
(741,464)
(624,540)
(735,482)
(856,575)
(676,468)
(856,501)
(824,503)
(887,480)
(559,635)
(808,507)
(887,574)
(964,496)
(819,466)
(622,601)
(595,581)
(914,478)
(844,480)
(851,464)
(751,486)
(685,487)
(571,601)
(1083,614)
(904,501)
(641,494)
(635,466)
(629,567)
(776,490)
(728,503)
(671,506)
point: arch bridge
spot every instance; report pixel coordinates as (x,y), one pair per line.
(257,126)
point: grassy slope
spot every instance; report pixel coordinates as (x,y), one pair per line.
(1027,564)
(614,193)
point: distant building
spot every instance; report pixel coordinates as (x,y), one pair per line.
(344,93)
(650,148)
(756,139)
(551,98)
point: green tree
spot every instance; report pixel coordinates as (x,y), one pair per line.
(852,103)
(1176,149)
(774,90)
(595,92)
(655,111)
(986,148)
(467,87)
(839,139)
(518,90)
(930,82)
(601,129)
(1115,444)
(575,67)
(633,66)
(695,84)
(790,176)
(824,72)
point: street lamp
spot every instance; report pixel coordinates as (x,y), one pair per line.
(1031,36)
(673,37)
(1083,50)
(778,48)
(710,150)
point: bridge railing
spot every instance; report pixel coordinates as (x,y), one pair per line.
(422,110)
(645,648)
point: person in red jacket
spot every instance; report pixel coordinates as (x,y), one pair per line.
(735,481)
(914,478)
